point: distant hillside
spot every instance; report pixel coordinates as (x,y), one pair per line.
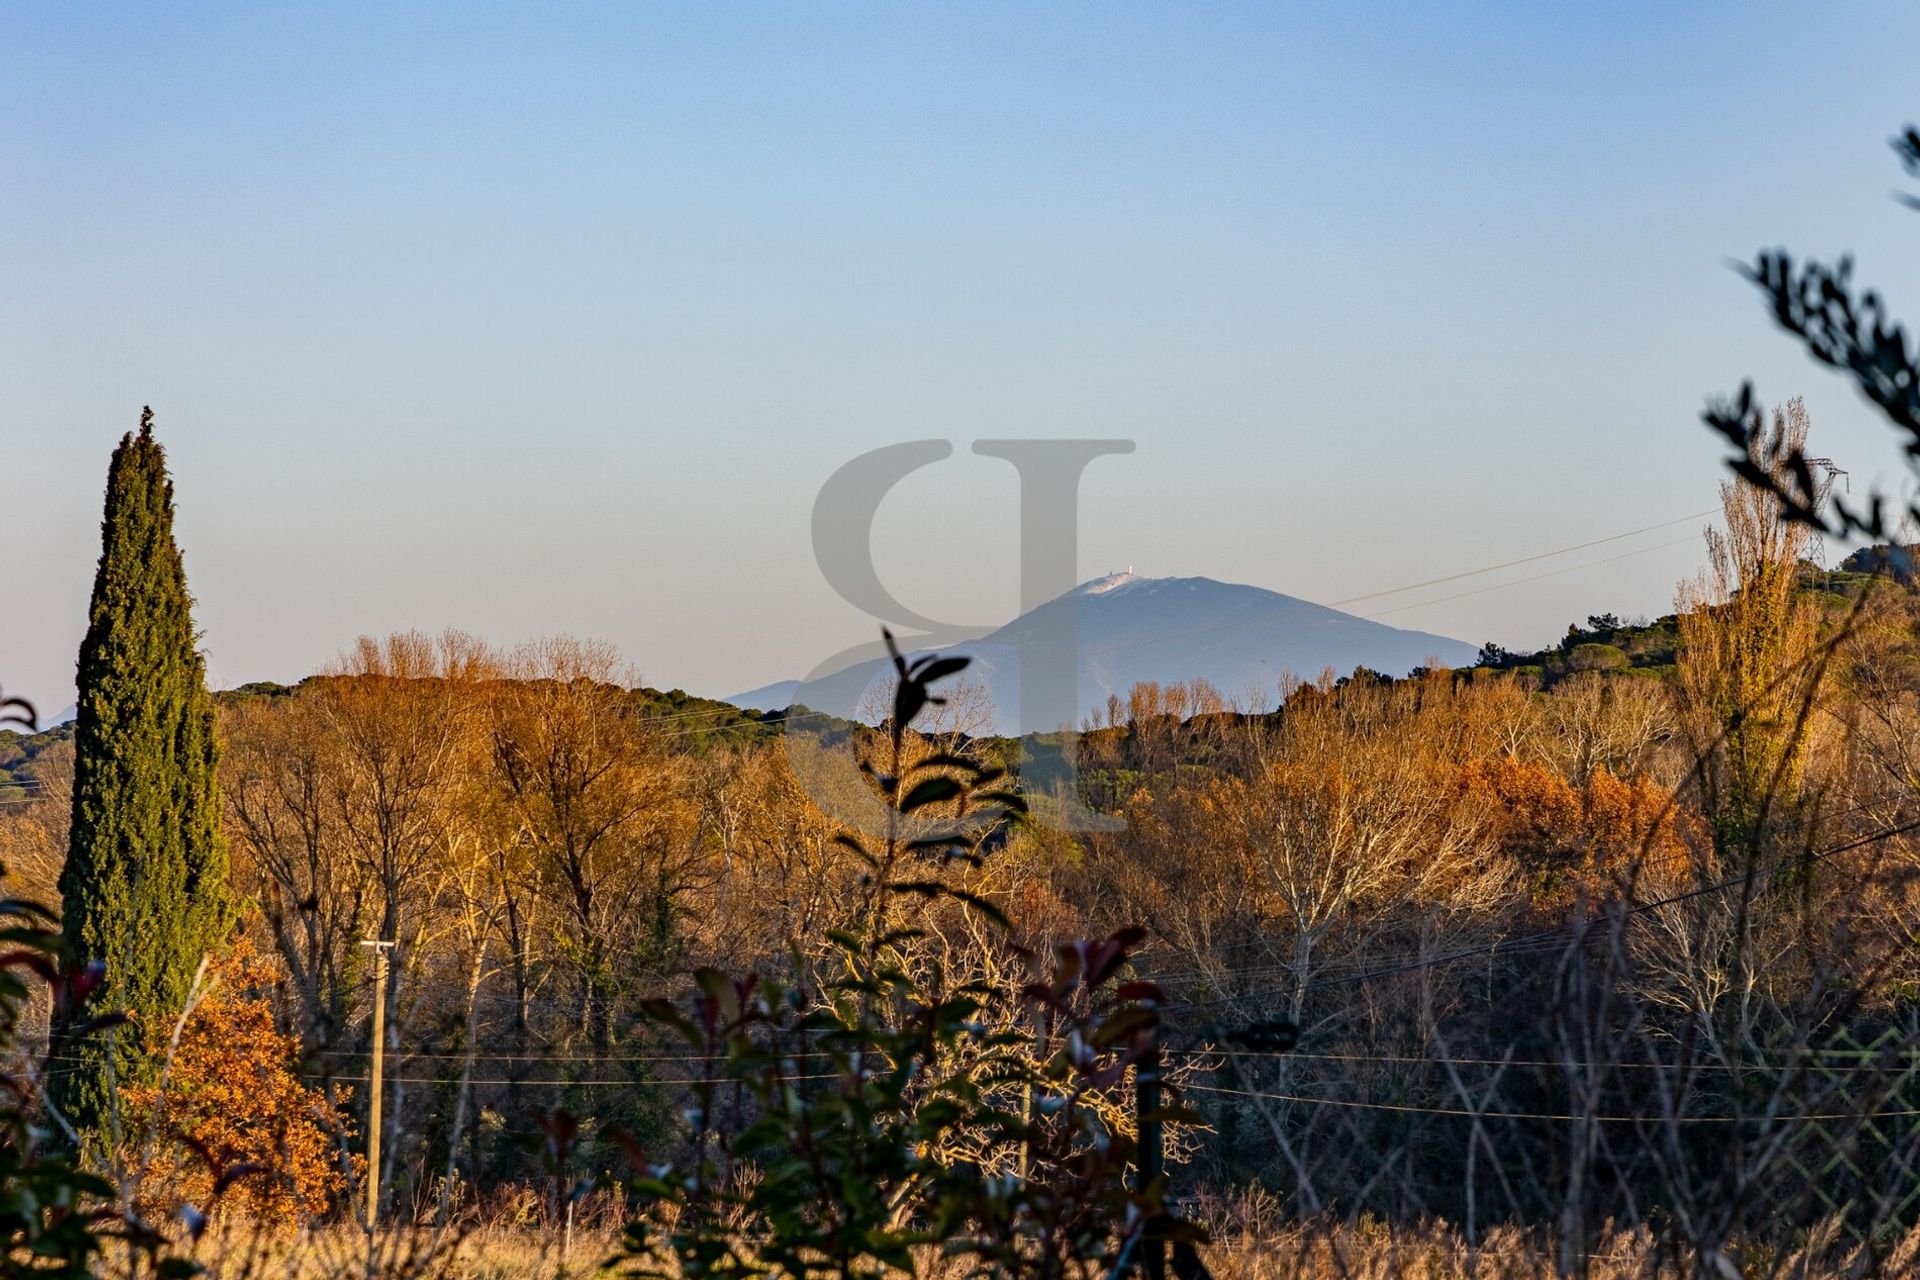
(1646,648)
(1240,639)
(688,722)
(18,753)
(1605,643)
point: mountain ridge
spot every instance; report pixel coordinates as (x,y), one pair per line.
(1241,639)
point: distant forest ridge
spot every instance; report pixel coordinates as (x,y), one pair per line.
(695,721)
(1605,643)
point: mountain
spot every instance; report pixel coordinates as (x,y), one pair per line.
(777,696)
(1240,639)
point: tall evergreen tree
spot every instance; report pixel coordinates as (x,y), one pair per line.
(145,881)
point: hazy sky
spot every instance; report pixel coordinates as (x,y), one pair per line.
(541,319)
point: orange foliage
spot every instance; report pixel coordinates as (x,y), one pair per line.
(233,1104)
(1584,835)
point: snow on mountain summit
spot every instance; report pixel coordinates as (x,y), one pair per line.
(1111,582)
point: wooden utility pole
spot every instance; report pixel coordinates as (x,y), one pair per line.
(376,1078)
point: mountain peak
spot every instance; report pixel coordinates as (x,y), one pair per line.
(1130,629)
(1111,582)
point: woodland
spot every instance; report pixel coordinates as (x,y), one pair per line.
(1594,961)
(1599,955)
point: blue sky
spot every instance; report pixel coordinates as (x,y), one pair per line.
(555,317)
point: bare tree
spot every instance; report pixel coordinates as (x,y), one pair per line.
(599,803)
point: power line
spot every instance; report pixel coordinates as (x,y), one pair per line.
(1538,577)
(1910,1067)
(1544,555)
(568,1084)
(1470,573)
(747,718)
(484,1056)
(1562,1116)
(1270,616)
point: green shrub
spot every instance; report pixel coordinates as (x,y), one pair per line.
(1596,657)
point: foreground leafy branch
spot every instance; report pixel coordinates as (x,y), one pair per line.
(893,1116)
(1852,331)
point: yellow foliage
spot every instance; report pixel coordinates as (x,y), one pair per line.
(231,1123)
(1584,835)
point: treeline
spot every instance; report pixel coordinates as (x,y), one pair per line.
(549,850)
(1577,954)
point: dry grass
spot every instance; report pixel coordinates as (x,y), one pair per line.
(240,1249)
(1370,1251)
(1362,1251)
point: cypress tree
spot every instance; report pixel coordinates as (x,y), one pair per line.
(145,881)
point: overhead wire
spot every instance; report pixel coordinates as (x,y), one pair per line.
(1815,1059)
(1538,577)
(1560,1116)
(1509,564)
(748,718)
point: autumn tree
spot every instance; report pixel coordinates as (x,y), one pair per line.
(231,1120)
(595,802)
(280,775)
(1594,722)
(780,880)
(404,716)
(1746,677)
(1574,837)
(145,880)
(1338,817)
